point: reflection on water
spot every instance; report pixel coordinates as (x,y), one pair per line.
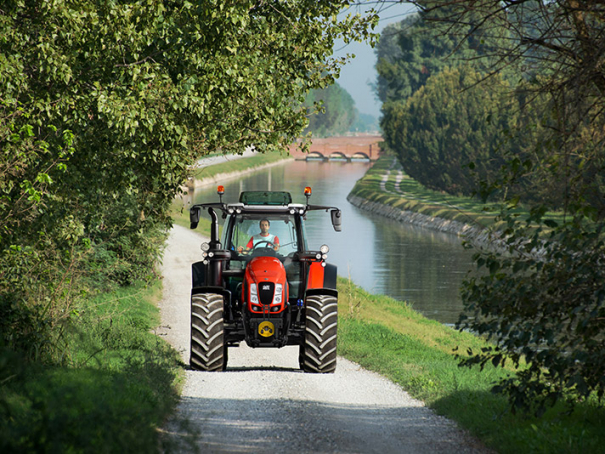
(420,266)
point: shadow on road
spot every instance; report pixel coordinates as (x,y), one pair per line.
(291,425)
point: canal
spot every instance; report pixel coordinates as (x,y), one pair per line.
(420,266)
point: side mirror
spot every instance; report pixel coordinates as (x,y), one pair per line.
(194,217)
(336,220)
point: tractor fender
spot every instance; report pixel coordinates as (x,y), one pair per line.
(198,274)
(321,276)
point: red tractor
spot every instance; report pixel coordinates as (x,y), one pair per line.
(261,284)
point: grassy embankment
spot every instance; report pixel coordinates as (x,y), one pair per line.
(409,195)
(386,336)
(113,389)
(390,338)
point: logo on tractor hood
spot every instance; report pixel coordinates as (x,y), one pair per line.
(266,329)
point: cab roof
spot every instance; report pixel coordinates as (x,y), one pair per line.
(265,198)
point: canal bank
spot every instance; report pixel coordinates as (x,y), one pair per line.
(386,191)
(209,172)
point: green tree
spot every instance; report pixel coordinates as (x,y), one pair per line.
(411,51)
(449,124)
(554,47)
(365,123)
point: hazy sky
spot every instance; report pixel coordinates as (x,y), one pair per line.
(360,72)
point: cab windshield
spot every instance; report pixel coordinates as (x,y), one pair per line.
(253,232)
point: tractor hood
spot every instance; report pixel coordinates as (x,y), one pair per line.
(266,269)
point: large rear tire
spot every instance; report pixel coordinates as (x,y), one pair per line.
(208,348)
(318,354)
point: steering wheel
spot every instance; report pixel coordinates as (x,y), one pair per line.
(258,245)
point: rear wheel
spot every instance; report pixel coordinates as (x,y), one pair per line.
(208,347)
(318,353)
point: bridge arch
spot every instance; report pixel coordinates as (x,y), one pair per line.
(315,155)
(360,155)
(338,155)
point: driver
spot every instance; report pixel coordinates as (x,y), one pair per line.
(263,237)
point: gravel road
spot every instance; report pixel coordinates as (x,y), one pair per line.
(263,403)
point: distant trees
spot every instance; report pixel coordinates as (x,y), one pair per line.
(365,123)
(332,111)
(436,116)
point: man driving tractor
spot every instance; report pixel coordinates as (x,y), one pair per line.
(264,237)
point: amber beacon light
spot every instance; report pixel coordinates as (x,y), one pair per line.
(220,191)
(307,193)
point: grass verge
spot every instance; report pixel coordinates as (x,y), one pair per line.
(117,384)
(386,336)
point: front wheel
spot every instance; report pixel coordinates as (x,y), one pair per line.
(318,353)
(208,347)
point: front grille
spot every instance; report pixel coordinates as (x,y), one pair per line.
(265,292)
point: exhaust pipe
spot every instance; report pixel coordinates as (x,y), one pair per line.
(214,241)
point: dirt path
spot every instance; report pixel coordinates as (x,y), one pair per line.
(264,404)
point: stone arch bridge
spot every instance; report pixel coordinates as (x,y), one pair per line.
(341,148)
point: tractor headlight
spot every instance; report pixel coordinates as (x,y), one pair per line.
(324,256)
(253,294)
(205,247)
(318,256)
(324,249)
(277,299)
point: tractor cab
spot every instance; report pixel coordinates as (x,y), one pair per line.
(264,275)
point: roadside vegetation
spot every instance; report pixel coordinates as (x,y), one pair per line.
(389,337)
(108,387)
(430,360)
